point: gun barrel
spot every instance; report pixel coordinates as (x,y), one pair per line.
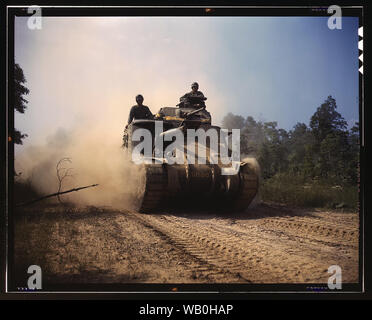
(195,111)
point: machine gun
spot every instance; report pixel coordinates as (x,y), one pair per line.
(187,115)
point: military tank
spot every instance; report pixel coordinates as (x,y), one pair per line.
(210,184)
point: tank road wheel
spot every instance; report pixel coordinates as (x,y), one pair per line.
(248,186)
(155,187)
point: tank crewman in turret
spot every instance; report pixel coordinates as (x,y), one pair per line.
(139,111)
(194,98)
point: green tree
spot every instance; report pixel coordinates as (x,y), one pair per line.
(300,145)
(331,156)
(324,149)
(332,146)
(355,133)
(20,103)
(352,168)
(327,120)
(252,136)
(273,151)
(231,121)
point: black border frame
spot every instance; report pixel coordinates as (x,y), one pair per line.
(184,289)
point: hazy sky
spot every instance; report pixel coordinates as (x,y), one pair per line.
(87,71)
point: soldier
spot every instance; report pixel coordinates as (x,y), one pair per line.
(194,98)
(139,111)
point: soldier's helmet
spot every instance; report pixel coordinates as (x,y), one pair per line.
(139,97)
(195,84)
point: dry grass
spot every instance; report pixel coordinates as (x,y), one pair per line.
(50,236)
(296,191)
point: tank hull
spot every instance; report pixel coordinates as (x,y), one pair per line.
(201,186)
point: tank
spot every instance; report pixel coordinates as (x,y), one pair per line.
(209,184)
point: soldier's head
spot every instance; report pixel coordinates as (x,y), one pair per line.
(194,87)
(139,99)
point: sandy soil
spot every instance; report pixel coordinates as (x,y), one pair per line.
(267,244)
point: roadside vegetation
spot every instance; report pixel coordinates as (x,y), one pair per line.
(314,165)
(302,192)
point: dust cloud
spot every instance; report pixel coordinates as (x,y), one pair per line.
(93,160)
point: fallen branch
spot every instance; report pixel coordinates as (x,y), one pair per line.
(54,195)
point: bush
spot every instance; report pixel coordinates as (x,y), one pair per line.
(24,191)
(298,191)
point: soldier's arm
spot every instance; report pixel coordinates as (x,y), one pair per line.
(131,115)
(149,114)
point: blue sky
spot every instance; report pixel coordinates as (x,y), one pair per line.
(287,66)
(87,71)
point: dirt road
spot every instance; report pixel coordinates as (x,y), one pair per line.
(267,244)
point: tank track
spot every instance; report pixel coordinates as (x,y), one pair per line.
(156,188)
(248,188)
(156,183)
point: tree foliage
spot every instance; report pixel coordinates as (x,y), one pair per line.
(20,103)
(324,149)
(326,120)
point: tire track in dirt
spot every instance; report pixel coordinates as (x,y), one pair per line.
(230,254)
(259,253)
(204,267)
(264,245)
(207,251)
(301,245)
(333,231)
